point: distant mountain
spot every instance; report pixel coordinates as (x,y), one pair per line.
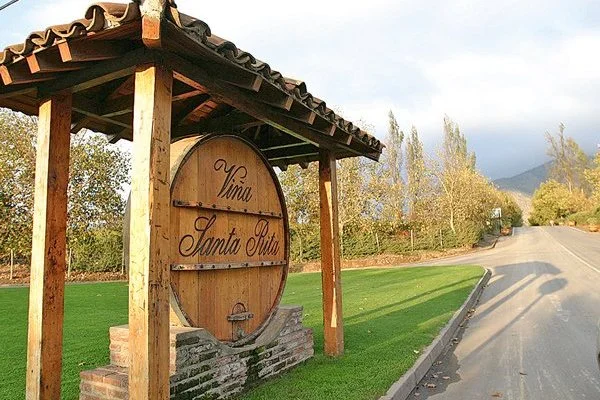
(526,182)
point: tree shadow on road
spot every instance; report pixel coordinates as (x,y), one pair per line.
(509,280)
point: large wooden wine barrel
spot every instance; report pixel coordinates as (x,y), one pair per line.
(229,237)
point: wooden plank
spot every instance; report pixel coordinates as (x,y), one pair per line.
(333,326)
(149,236)
(199,205)
(48,251)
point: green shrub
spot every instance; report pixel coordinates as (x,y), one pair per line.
(99,250)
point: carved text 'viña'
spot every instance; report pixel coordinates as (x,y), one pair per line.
(233,187)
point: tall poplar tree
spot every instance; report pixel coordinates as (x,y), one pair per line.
(568,160)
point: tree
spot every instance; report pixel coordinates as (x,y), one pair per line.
(592,176)
(417,179)
(553,201)
(301,192)
(98,171)
(391,174)
(17,173)
(453,171)
(568,160)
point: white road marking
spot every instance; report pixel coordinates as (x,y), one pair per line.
(587,264)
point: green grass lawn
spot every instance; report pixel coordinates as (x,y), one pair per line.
(389,314)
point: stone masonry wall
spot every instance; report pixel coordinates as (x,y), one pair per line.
(204,368)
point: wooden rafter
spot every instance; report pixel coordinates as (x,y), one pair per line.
(49,60)
(237,98)
(82,50)
(19,73)
(190,107)
(273,96)
(186,94)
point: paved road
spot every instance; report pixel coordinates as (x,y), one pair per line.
(533,335)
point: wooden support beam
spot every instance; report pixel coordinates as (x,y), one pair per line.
(186,94)
(333,325)
(85,50)
(283,146)
(296,151)
(232,121)
(96,114)
(48,250)
(79,124)
(120,88)
(149,236)
(115,107)
(98,74)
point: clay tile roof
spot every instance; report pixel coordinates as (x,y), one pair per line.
(105,16)
(98,17)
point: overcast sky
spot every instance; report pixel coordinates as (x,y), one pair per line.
(505,70)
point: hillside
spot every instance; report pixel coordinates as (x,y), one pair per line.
(526,182)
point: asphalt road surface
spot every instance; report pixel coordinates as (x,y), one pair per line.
(533,335)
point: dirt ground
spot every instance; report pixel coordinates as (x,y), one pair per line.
(21,276)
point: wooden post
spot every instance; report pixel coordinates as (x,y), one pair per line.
(149,236)
(330,256)
(48,250)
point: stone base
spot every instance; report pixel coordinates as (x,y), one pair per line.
(202,367)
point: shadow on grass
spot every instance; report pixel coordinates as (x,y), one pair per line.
(378,352)
(348,320)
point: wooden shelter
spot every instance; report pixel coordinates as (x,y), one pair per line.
(145,72)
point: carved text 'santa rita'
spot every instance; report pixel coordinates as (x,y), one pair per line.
(205,243)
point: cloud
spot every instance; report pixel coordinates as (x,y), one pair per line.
(506,71)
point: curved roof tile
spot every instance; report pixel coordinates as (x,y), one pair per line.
(101,16)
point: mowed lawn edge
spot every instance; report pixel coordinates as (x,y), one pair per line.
(390,315)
